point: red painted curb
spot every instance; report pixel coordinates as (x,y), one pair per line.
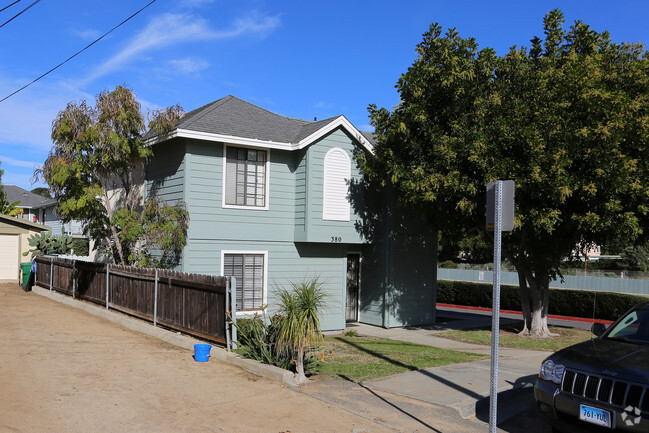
(551,316)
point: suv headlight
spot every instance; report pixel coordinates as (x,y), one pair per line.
(552,372)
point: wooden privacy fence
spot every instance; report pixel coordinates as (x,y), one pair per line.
(191,303)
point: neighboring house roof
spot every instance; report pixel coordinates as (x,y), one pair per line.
(6,219)
(236,121)
(27,199)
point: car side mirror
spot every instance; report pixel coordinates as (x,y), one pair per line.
(598,328)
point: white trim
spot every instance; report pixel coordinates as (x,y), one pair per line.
(340,121)
(267,180)
(265,291)
(332,203)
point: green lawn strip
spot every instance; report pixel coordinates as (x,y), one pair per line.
(362,358)
(509,337)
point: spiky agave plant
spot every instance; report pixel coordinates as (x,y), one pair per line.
(300,326)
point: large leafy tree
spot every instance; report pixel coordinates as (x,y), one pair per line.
(567,119)
(92,170)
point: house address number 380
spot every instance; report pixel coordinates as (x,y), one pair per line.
(336,239)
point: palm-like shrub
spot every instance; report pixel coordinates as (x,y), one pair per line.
(299,331)
(258,340)
(7,208)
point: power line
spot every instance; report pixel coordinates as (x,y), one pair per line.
(7,7)
(78,52)
(18,14)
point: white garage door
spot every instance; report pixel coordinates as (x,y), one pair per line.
(9,257)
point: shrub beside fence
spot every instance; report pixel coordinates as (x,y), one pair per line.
(191,303)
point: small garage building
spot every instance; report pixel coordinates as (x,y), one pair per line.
(14,236)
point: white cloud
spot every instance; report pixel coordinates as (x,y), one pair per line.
(189,65)
(87,34)
(170,29)
(5,160)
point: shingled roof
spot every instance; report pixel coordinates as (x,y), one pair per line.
(233,117)
(27,199)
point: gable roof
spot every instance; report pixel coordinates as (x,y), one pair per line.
(233,120)
(27,199)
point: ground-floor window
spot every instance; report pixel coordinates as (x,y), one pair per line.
(249,270)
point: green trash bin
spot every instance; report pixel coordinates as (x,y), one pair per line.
(27,270)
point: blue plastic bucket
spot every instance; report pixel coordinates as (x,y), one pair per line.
(202,352)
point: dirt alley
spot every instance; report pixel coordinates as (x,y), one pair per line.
(64,370)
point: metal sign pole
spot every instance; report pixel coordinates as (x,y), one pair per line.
(495,317)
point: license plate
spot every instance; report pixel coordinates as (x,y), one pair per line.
(594,415)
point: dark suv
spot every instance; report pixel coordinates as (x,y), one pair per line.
(600,384)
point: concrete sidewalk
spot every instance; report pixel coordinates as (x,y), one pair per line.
(463,387)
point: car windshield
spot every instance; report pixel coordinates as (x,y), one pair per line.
(634,327)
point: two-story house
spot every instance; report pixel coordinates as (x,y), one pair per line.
(274,200)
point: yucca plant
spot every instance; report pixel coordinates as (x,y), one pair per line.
(299,331)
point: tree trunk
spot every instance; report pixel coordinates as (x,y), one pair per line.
(300,377)
(118,244)
(524,293)
(540,290)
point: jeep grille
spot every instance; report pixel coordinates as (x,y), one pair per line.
(607,390)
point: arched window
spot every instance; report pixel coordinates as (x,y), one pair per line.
(337,172)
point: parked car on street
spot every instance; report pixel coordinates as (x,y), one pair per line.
(602,384)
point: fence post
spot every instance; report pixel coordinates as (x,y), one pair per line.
(74,277)
(107,282)
(51,272)
(228,341)
(233,302)
(155,300)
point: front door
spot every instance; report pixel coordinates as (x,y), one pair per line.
(353,283)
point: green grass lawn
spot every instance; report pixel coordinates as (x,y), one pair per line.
(509,337)
(363,358)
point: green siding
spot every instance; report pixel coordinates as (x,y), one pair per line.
(318,229)
(165,176)
(374,268)
(166,171)
(301,196)
(287,262)
(400,265)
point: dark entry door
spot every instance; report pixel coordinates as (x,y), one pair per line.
(353,283)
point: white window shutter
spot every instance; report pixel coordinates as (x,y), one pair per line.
(337,172)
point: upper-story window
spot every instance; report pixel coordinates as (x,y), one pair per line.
(245,177)
(337,173)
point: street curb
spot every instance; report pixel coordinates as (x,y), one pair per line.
(550,316)
(171,337)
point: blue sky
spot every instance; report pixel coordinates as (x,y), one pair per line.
(300,59)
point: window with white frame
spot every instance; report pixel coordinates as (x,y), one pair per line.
(337,173)
(245,177)
(249,270)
